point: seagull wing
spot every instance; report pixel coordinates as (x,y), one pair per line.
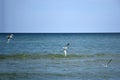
(109,61)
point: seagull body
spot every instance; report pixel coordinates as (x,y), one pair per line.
(106,65)
(9,38)
(65,48)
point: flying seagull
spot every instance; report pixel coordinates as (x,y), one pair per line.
(106,65)
(65,48)
(9,38)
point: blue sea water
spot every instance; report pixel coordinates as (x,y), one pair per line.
(40,56)
(54,43)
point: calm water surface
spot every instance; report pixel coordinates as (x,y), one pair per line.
(41,57)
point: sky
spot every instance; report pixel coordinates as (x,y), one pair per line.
(59,16)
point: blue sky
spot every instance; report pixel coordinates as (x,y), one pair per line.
(74,16)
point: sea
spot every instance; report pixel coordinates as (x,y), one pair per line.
(40,56)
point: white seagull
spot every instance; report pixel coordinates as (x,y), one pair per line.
(106,65)
(9,38)
(65,48)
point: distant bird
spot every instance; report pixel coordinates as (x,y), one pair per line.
(65,48)
(9,38)
(106,65)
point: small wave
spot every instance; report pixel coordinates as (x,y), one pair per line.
(53,56)
(30,74)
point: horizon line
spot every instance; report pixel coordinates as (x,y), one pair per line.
(59,32)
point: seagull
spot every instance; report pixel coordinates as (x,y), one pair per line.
(9,38)
(106,65)
(65,48)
